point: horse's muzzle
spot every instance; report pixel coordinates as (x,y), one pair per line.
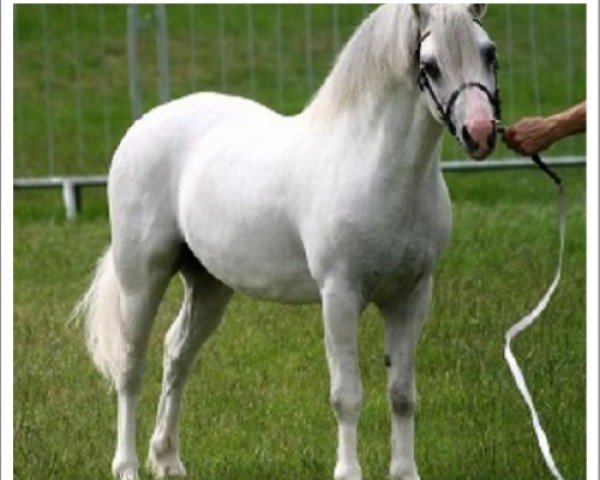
(479,138)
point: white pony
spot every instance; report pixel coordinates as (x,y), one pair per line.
(343,204)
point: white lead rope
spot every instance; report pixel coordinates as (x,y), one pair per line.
(524,323)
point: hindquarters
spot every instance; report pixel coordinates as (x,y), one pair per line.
(204,303)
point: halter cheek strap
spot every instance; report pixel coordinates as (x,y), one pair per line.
(445,112)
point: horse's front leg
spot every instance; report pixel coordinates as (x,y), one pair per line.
(341,309)
(404,317)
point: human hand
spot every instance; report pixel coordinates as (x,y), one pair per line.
(530,135)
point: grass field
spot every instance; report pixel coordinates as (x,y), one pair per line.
(257,405)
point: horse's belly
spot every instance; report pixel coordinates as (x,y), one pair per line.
(258,274)
(266,263)
(296,289)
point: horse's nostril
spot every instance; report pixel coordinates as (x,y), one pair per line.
(469,142)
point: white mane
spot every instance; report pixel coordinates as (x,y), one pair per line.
(380,51)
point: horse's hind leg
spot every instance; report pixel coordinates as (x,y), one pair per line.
(205,300)
(143,278)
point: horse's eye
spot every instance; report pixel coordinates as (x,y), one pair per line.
(431,68)
(489,55)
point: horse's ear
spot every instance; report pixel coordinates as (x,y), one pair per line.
(478,10)
(421,11)
(416,10)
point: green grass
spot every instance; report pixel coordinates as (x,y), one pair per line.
(559,84)
(256,407)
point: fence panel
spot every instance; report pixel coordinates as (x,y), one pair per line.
(76,90)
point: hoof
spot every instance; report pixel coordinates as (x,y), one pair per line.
(164,462)
(125,469)
(403,472)
(128,475)
(347,472)
(166,468)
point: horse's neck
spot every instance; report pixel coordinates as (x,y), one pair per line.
(400,139)
(372,99)
(392,137)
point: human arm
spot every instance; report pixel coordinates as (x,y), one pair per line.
(534,134)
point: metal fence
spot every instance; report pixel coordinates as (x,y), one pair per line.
(83,72)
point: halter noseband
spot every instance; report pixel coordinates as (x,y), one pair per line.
(446,112)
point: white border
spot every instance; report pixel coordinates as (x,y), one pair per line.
(6,219)
(592,242)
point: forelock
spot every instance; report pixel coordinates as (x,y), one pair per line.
(451,27)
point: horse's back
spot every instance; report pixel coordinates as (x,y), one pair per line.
(163,136)
(147,167)
(208,171)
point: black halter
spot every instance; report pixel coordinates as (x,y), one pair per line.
(494,98)
(446,111)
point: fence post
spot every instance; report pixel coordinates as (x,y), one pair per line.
(135,91)
(72,198)
(162,54)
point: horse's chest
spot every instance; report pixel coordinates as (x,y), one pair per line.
(405,253)
(396,249)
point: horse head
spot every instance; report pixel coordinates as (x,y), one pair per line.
(457,73)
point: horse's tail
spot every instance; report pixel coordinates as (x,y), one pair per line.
(100,312)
